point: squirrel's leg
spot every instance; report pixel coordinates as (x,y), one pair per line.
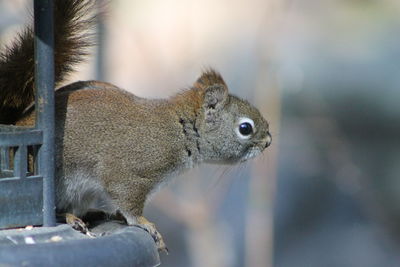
(142,222)
(129,196)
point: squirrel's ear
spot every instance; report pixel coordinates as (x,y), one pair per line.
(209,78)
(214,89)
(215,97)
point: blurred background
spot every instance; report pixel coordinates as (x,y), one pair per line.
(325,73)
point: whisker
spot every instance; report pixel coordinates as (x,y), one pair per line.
(220,177)
(216,194)
(241,168)
(221,181)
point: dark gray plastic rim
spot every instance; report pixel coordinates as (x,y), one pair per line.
(130,246)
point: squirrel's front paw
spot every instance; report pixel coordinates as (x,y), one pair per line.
(151,229)
(77,224)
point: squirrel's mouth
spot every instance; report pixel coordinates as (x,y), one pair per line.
(268,140)
(251,153)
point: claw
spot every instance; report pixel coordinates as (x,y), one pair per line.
(151,229)
(78,224)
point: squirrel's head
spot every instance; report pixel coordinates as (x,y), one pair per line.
(230,128)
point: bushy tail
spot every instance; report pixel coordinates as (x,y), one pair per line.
(73,20)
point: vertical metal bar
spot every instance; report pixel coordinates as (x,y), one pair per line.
(44,83)
(20,162)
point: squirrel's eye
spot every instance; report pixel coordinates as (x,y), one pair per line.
(245,128)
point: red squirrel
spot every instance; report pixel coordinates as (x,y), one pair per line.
(113,148)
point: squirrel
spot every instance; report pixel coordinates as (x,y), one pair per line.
(113,149)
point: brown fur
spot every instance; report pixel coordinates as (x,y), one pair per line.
(208,78)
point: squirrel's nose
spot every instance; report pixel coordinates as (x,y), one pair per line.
(269,140)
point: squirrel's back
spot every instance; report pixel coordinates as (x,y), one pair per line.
(71,40)
(91,114)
